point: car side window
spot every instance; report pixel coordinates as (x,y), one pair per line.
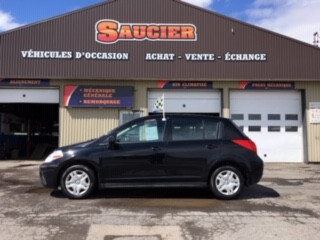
(211,129)
(231,131)
(193,129)
(146,131)
(186,129)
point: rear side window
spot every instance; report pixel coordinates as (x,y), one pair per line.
(193,129)
(211,128)
(230,131)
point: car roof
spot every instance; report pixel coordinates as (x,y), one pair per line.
(187,115)
(168,116)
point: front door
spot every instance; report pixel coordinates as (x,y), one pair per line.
(137,155)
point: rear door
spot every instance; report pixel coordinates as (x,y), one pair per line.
(191,146)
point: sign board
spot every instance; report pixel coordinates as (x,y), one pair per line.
(25,82)
(266,85)
(109,31)
(184,85)
(98,96)
(314,108)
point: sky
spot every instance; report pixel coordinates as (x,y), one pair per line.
(298,19)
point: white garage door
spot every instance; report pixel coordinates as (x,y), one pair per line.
(273,119)
(187,101)
(21,95)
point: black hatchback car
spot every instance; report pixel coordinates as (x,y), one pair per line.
(179,151)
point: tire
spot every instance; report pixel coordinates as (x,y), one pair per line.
(78,182)
(226,182)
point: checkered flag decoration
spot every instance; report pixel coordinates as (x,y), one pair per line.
(159,104)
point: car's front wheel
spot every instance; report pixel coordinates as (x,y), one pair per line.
(78,181)
(226,182)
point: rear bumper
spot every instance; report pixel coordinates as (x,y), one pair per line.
(255,173)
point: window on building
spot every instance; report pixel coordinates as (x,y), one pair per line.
(237,116)
(126,116)
(254,117)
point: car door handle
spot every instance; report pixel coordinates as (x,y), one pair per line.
(210,146)
(156,149)
(156,161)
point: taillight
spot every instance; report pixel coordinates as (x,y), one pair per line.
(246,143)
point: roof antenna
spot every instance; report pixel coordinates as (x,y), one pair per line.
(316,39)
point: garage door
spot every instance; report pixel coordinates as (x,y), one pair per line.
(187,101)
(9,95)
(273,119)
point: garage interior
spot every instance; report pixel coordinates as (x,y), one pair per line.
(29,131)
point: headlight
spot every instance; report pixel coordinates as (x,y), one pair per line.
(54,155)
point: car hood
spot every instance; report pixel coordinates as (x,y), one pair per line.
(76,146)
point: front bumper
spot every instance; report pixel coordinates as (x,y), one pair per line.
(49,176)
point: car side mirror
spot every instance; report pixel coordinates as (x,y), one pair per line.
(112,142)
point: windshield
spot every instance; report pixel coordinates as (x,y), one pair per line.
(104,139)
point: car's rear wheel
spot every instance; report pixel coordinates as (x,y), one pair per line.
(78,181)
(226,182)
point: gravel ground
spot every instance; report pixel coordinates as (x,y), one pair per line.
(284,205)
